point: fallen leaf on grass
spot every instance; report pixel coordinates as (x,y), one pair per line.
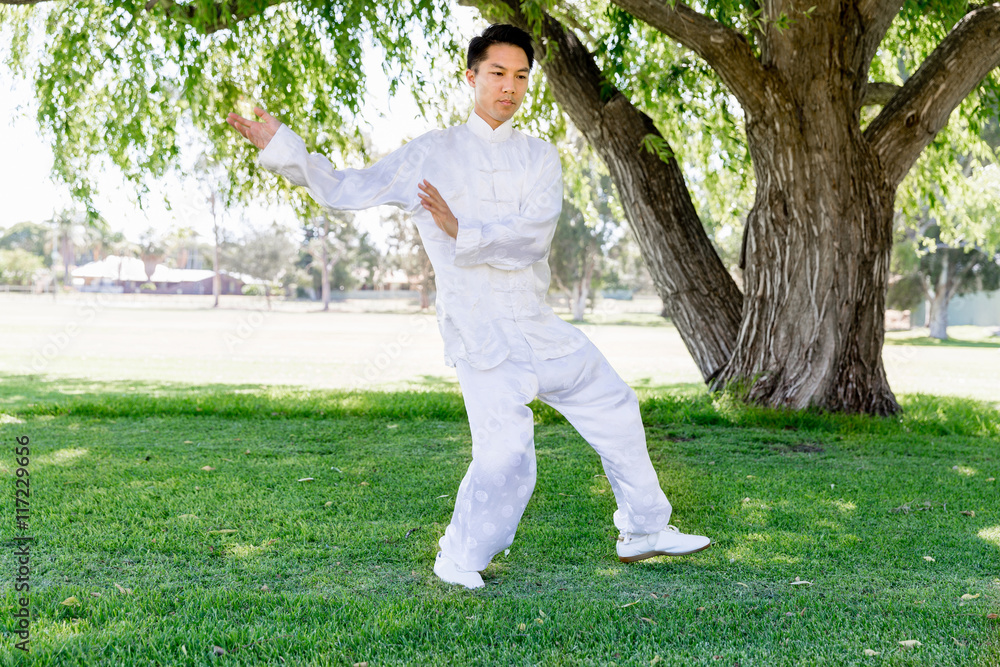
(958,643)
(993,617)
(700,609)
(747,499)
(184,649)
(361,664)
(264,588)
(187,516)
(540,621)
(96,595)
(929,559)
(207,468)
(630,604)
(188,442)
(307,479)
(970,596)
(522,627)
(222,531)
(123,591)
(991,479)
(71,601)
(218,650)
(969,513)
(656,659)
(868,651)
(364,483)
(910,643)
(327,503)
(247,451)
(229,460)
(800,582)
(648,620)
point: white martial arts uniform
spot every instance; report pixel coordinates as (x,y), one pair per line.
(505,189)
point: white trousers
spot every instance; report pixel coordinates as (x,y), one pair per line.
(495,491)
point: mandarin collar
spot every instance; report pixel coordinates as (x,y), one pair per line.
(482,129)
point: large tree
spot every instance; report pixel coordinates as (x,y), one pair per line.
(807,326)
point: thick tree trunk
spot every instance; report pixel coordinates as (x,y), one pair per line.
(817,257)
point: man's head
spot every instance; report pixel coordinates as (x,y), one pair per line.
(499,63)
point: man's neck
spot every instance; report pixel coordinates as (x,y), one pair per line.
(492,122)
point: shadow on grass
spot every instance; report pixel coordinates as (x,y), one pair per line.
(927,341)
(30,395)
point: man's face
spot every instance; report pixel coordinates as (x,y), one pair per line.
(500,83)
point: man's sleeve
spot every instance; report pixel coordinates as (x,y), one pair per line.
(517,241)
(392,180)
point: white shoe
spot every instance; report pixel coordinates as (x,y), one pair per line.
(667,542)
(447,570)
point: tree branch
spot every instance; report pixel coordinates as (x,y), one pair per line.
(878,93)
(915,114)
(211,17)
(876,17)
(724,49)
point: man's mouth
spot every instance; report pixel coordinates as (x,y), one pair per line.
(508,102)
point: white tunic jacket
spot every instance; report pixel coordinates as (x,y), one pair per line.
(504,187)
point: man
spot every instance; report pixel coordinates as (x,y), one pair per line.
(485,199)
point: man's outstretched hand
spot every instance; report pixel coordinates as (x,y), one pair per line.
(258,133)
(435,203)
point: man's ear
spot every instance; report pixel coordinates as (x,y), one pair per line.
(470,77)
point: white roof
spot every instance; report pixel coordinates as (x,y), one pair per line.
(133,269)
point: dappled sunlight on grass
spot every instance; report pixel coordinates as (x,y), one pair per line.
(991,535)
(965,471)
(244,551)
(60,456)
(608,572)
(844,506)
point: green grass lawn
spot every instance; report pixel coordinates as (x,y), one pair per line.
(890,522)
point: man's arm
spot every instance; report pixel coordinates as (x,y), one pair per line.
(520,240)
(391,180)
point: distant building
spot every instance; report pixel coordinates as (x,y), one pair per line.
(128,275)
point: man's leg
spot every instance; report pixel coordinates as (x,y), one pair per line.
(496,488)
(605,410)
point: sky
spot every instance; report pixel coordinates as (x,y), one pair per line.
(29,193)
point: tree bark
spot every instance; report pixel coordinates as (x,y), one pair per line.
(817,242)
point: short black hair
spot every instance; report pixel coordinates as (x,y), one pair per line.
(498,33)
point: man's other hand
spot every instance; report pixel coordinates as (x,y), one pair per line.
(435,203)
(257,133)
